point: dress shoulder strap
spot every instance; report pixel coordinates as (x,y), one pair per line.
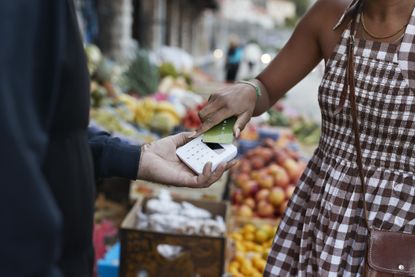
(355,4)
(406,55)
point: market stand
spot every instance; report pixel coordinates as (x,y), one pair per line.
(273,149)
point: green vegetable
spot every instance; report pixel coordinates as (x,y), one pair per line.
(168,69)
(141,77)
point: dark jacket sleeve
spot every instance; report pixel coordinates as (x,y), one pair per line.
(30,229)
(112,156)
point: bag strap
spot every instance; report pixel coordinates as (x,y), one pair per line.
(350,88)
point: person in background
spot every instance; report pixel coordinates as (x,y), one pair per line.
(89,13)
(252,56)
(48,156)
(233,59)
(324,231)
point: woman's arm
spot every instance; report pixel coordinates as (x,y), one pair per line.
(300,55)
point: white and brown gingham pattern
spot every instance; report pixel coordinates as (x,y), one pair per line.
(323,232)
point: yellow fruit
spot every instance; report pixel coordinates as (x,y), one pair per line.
(267,244)
(239,258)
(268,229)
(259,264)
(261,236)
(234,264)
(237,236)
(259,248)
(163,121)
(256,257)
(165,106)
(247,269)
(234,271)
(144,111)
(249,228)
(250,246)
(249,236)
(256,273)
(265,254)
(240,246)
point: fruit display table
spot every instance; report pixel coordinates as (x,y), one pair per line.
(263,182)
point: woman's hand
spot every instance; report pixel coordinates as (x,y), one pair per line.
(159,163)
(235,100)
(312,40)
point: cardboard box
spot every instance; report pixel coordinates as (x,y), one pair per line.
(140,188)
(201,256)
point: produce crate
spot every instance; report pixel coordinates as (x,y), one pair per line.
(215,192)
(202,255)
(246,256)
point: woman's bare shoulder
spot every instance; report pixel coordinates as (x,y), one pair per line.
(324,15)
(328,12)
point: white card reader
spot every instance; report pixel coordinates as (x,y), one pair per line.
(196,153)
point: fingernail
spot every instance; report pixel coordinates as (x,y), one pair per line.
(192,135)
(237,133)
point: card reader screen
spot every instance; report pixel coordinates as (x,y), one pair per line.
(215,147)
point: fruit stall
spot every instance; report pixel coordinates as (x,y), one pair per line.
(224,230)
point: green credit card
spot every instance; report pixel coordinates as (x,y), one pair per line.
(221,133)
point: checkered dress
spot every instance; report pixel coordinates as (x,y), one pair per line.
(323,232)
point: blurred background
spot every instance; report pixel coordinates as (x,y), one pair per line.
(153,64)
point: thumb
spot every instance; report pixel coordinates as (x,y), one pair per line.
(181,138)
(240,123)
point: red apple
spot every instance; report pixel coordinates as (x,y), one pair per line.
(293,170)
(257,162)
(250,202)
(281,178)
(248,187)
(289,191)
(241,178)
(259,175)
(254,190)
(280,156)
(273,168)
(266,182)
(265,209)
(265,153)
(276,196)
(255,174)
(245,211)
(245,166)
(262,195)
(237,197)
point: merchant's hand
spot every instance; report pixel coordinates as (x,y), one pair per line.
(237,100)
(159,163)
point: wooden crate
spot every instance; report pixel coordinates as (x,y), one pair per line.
(202,255)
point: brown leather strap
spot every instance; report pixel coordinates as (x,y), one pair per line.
(350,88)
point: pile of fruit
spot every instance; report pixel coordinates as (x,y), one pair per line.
(113,120)
(265,179)
(160,116)
(156,101)
(252,245)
